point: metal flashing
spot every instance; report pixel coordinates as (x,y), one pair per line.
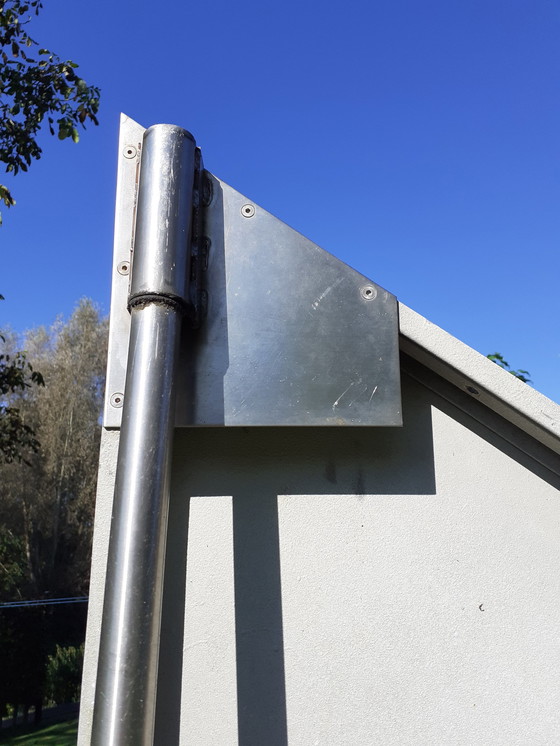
(479,377)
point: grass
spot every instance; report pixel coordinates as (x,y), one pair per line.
(59,734)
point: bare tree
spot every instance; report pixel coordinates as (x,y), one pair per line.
(52,498)
(47,501)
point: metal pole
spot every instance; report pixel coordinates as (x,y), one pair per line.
(129,645)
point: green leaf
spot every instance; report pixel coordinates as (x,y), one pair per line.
(36,89)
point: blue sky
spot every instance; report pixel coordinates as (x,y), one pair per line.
(417,140)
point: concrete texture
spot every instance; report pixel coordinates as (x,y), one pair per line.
(344,587)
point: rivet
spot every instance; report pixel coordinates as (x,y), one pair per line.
(368,292)
(129,151)
(248,211)
(123,268)
(117,400)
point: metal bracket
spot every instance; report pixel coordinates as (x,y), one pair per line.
(291,335)
(128,180)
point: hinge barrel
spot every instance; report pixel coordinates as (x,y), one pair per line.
(129,646)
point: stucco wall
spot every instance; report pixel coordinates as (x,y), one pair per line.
(356,586)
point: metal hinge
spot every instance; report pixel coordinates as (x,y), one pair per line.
(200,244)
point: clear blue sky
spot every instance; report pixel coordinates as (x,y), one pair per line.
(418,140)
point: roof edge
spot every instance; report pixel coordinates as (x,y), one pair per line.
(480,378)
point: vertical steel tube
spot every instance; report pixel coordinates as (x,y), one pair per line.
(128,656)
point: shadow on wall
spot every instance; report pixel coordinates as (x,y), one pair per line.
(254,466)
(488,425)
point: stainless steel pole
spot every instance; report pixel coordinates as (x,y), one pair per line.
(128,657)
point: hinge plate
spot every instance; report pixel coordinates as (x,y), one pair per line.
(290,335)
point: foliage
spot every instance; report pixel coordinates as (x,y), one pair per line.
(16,375)
(523,375)
(51,499)
(35,84)
(23,651)
(64,674)
(47,505)
(12,565)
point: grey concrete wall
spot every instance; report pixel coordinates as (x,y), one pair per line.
(356,586)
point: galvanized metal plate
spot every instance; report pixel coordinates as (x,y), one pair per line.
(293,335)
(128,175)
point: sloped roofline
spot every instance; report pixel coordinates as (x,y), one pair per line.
(480,378)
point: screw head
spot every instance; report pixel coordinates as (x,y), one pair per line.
(368,292)
(248,211)
(123,268)
(129,151)
(117,400)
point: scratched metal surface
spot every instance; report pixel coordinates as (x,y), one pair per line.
(293,335)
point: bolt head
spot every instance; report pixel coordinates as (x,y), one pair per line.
(117,400)
(368,292)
